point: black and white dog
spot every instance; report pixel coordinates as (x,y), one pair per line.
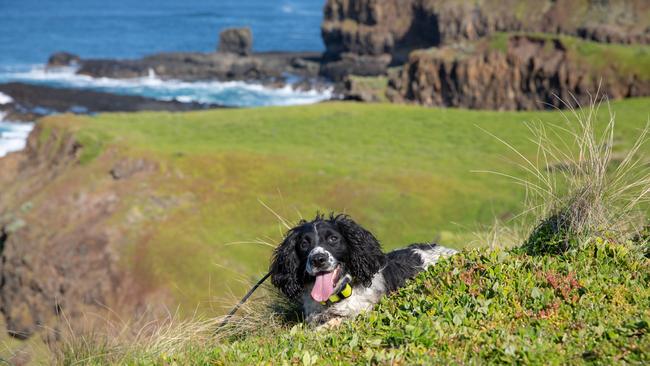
(336,269)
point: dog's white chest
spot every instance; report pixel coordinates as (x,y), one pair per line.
(362,299)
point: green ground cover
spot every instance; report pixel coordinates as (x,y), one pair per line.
(585,307)
(404,172)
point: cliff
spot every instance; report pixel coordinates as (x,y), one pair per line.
(60,253)
(396,27)
(367,37)
(521,72)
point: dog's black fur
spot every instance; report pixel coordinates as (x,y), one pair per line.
(358,251)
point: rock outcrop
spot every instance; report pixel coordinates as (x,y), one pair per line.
(63,59)
(30,102)
(61,261)
(234,60)
(236,40)
(270,68)
(531,73)
(363,30)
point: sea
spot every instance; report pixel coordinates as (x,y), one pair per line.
(31,30)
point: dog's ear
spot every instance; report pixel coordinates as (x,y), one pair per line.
(285,267)
(366,257)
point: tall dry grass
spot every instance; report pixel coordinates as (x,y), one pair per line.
(577,185)
(117,342)
(134,341)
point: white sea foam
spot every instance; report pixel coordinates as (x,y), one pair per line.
(5,99)
(13,135)
(230,93)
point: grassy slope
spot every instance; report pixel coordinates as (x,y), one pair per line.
(591,305)
(404,172)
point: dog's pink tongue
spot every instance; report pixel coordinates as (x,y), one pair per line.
(324,286)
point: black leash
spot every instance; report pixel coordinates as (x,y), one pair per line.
(243,300)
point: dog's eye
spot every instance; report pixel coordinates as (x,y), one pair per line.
(333,239)
(304,245)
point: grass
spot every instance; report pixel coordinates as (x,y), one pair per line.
(495,306)
(586,304)
(482,306)
(404,172)
(598,58)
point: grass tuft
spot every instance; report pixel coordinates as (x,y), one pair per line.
(577,185)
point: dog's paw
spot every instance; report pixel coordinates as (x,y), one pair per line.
(330,324)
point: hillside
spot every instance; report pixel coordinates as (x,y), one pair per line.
(156,201)
(483,306)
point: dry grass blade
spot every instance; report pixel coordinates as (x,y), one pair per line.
(575,187)
(150,341)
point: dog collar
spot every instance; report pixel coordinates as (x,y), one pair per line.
(344,293)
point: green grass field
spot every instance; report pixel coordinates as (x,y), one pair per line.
(404,172)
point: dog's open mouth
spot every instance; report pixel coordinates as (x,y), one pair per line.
(325,284)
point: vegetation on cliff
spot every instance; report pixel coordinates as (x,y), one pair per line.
(511,71)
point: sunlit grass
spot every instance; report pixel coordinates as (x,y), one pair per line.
(405,173)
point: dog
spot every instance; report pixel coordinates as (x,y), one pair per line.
(336,269)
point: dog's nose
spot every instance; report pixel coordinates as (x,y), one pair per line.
(318,259)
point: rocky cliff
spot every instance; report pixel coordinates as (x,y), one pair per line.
(60,257)
(366,29)
(520,72)
(444,51)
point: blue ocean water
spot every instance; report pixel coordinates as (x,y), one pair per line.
(31,30)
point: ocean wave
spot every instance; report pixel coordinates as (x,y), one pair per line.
(5,99)
(13,135)
(296,8)
(229,93)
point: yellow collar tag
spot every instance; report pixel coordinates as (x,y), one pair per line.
(343,294)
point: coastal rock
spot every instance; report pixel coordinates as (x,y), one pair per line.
(236,40)
(353,64)
(59,59)
(30,102)
(397,27)
(371,28)
(532,73)
(265,67)
(369,90)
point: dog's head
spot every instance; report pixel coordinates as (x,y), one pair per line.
(322,252)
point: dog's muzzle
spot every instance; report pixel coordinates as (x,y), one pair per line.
(320,260)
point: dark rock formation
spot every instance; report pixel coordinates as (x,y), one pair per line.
(236,40)
(33,101)
(364,89)
(266,67)
(353,64)
(233,61)
(376,28)
(63,59)
(530,74)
